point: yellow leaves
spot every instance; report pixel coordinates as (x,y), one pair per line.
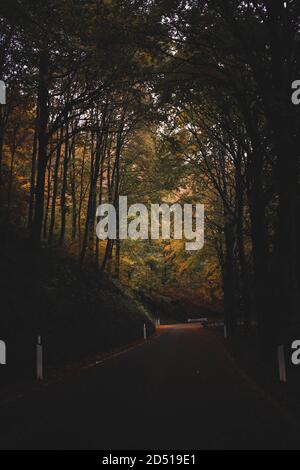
(26,186)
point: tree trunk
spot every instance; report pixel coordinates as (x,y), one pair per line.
(33,177)
(260,252)
(11,175)
(43,117)
(246,306)
(2,128)
(63,206)
(89,207)
(73,193)
(81,195)
(48,197)
(229,278)
(55,186)
(91,210)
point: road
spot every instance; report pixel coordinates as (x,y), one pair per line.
(178,391)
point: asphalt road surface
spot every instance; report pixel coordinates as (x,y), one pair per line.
(178,391)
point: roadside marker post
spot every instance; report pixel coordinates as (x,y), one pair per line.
(281,364)
(39,359)
(225,331)
(145,332)
(2,93)
(2,353)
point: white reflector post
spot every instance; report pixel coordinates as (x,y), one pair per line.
(2,92)
(39,359)
(145,331)
(2,353)
(281,364)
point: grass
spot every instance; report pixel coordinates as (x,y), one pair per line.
(77,311)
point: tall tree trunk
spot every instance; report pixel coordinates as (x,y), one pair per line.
(48,196)
(73,193)
(2,129)
(116,201)
(89,206)
(260,252)
(33,177)
(43,98)
(230,310)
(63,205)
(55,185)
(81,194)
(283,119)
(106,147)
(287,242)
(240,243)
(11,175)
(91,210)
(107,255)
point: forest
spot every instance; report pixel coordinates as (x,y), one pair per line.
(162,101)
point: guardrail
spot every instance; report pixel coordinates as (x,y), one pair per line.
(197,320)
